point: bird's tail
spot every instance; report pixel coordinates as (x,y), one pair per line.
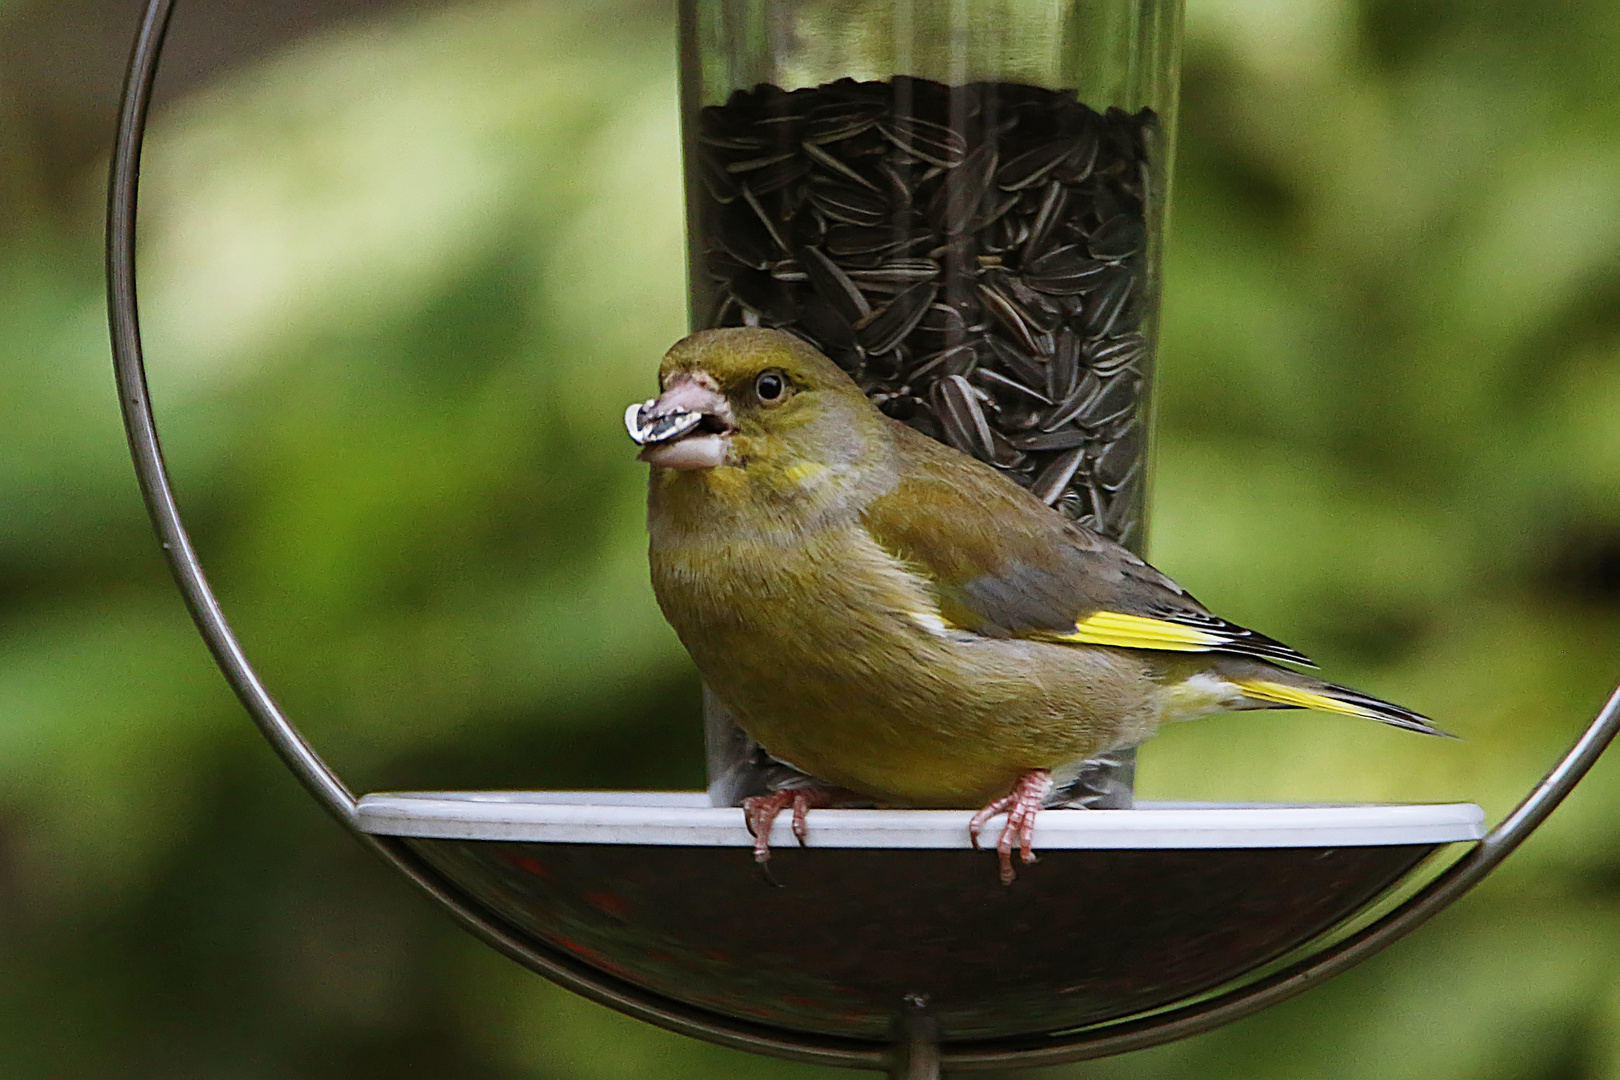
(1327,697)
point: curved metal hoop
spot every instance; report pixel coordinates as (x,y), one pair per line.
(321,782)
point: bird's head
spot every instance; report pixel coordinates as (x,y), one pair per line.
(757,400)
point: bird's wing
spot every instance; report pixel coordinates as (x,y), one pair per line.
(1001,563)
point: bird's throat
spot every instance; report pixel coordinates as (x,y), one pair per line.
(688,453)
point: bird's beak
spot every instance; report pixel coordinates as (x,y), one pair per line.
(686,427)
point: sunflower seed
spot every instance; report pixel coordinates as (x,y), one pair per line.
(995,380)
(1079,405)
(884,328)
(1087,506)
(1008,314)
(936,144)
(1018,363)
(834,123)
(1064,439)
(787,270)
(834,285)
(1050,212)
(824,323)
(1118,399)
(721,185)
(1107,303)
(1054,479)
(647,429)
(846,240)
(901,407)
(1002,454)
(1124,454)
(820,157)
(897,272)
(1041,311)
(851,205)
(944,320)
(725,311)
(957,360)
(899,180)
(775,176)
(962,417)
(751,164)
(1077,165)
(992,218)
(1064,370)
(745,143)
(1122,507)
(1065,271)
(1118,237)
(1113,354)
(743,239)
(1031,166)
(752,202)
(957,202)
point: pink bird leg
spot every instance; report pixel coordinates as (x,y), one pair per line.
(759,813)
(1021,805)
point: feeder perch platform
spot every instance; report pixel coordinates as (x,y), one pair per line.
(1126,911)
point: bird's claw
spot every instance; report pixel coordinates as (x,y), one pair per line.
(760,812)
(1021,806)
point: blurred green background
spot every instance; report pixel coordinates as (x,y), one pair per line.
(403,265)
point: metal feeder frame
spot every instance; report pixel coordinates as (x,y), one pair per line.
(916,1053)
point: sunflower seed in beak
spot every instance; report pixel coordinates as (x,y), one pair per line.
(648,430)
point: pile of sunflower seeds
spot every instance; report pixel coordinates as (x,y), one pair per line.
(974,256)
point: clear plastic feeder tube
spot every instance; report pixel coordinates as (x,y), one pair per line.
(962,203)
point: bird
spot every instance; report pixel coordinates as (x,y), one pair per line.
(898,620)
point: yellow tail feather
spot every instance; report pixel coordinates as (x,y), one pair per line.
(1139,632)
(1282,694)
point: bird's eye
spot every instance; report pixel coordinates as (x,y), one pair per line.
(770,386)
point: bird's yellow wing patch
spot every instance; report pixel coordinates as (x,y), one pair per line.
(1141,632)
(1261,690)
(805,470)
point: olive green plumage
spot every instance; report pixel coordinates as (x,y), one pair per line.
(896,618)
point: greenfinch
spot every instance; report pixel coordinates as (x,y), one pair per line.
(900,621)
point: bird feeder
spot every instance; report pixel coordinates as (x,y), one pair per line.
(963,205)
(955,201)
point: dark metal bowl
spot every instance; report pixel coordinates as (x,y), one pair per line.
(1127,910)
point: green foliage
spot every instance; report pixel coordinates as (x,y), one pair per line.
(400,282)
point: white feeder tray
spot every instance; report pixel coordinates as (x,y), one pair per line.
(1126,911)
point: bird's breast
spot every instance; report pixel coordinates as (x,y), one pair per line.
(834,656)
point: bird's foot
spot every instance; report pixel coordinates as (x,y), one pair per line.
(760,811)
(1021,806)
